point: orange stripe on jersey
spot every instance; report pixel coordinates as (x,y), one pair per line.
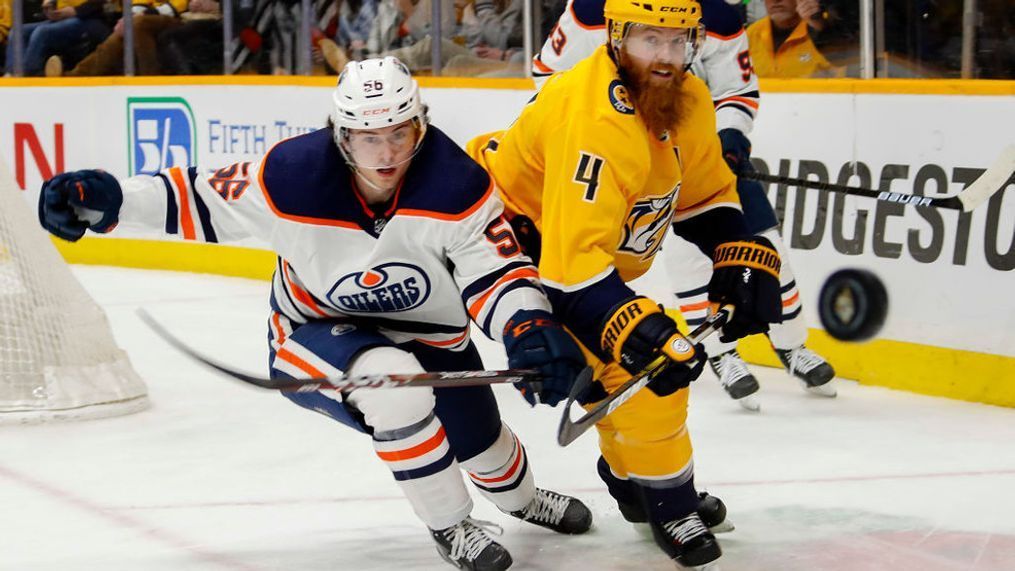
(301,294)
(428,445)
(449,342)
(294,360)
(477,306)
(695,306)
(538,64)
(722,37)
(793,299)
(186,220)
(507,475)
(450,217)
(293,217)
(279,330)
(752,103)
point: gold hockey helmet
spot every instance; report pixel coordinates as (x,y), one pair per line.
(621,14)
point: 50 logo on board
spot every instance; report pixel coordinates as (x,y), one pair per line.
(393,286)
(161,133)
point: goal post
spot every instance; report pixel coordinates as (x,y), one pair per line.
(58,359)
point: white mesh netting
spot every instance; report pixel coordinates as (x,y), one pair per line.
(58,360)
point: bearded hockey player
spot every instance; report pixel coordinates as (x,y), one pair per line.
(390,240)
(724,64)
(592,173)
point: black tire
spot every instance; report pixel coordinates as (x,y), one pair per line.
(853,305)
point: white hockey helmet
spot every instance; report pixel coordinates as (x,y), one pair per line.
(376,93)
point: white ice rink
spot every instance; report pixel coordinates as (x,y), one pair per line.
(219,476)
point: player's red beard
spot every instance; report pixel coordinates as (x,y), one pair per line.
(660,104)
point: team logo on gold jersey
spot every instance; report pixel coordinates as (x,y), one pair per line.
(646,224)
(619,98)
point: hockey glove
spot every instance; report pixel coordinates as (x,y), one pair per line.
(637,332)
(534,340)
(736,149)
(67,199)
(745,274)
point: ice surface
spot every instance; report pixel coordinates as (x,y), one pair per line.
(218,475)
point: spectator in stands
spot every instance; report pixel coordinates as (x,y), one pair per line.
(150,18)
(355,20)
(488,41)
(6,17)
(195,46)
(352,23)
(781,43)
(69,25)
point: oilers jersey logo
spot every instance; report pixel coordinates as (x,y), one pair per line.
(646,224)
(619,98)
(389,287)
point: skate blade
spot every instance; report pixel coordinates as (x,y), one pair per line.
(725,526)
(750,403)
(826,390)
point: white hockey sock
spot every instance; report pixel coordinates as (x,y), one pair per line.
(421,460)
(792,332)
(502,474)
(410,439)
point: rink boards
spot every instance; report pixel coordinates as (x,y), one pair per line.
(951,329)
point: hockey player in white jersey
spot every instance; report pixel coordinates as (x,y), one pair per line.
(724,63)
(390,242)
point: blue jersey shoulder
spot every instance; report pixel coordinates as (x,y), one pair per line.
(306,176)
(442,178)
(720,18)
(589,13)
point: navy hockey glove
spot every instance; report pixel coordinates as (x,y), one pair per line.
(638,331)
(745,274)
(534,340)
(736,149)
(65,200)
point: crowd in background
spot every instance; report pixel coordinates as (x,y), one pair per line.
(788,38)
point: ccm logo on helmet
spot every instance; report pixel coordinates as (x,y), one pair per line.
(673,9)
(388,287)
(381,111)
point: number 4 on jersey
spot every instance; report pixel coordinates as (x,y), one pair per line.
(589,167)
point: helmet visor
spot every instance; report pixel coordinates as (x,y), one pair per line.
(383,148)
(653,43)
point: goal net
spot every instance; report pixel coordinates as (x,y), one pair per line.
(58,360)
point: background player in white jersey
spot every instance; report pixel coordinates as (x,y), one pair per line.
(725,65)
(390,240)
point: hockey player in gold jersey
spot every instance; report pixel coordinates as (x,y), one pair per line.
(592,173)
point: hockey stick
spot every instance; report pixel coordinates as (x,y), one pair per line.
(437,379)
(995,178)
(569,430)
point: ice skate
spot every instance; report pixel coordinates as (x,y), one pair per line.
(467,545)
(736,379)
(814,373)
(558,512)
(688,542)
(711,510)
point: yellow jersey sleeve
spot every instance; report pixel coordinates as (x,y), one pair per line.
(707,181)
